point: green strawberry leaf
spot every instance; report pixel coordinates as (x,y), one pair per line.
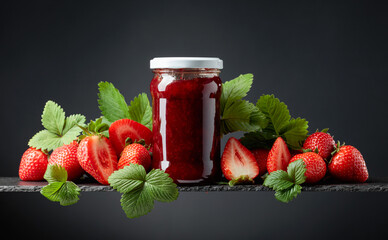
(128,179)
(296,170)
(59,189)
(288,194)
(276,111)
(137,202)
(140,110)
(279,124)
(111,102)
(287,184)
(235,89)
(45,140)
(161,186)
(278,180)
(55,173)
(59,130)
(140,190)
(238,114)
(295,132)
(53,117)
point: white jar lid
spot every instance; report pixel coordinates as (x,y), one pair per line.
(186,62)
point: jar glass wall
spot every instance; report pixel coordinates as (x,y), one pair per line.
(186,123)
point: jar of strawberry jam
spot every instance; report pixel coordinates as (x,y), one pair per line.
(186,118)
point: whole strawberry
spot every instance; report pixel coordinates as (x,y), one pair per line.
(347,164)
(261,156)
(33,165)
(315,166)
(135,153)
(66,156)
(321,141)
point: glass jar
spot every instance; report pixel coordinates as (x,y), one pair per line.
(186,118)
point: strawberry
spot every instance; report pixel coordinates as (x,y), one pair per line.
(238,163)
(33,165)
(279,156)
(97,157)
(135,153)
(261,156)
(122,129)
(321,141)
(315,166)
(66,156)
(347,164)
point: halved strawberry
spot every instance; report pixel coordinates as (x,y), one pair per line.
(97,157)
(238,163)
(122,129)
(279,156)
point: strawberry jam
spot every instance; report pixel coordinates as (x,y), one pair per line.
(186,123)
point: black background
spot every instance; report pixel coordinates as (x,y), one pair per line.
(327,60)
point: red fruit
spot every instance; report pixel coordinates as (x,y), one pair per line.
(136,154)
(66,156)
(33,165)
(237,161)
(261,156)
(348,164)
(122,129)
(321,141)
(278,156)
(315,166)
(97,157)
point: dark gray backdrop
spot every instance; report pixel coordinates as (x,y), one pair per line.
(326,59)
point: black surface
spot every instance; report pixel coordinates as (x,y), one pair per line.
(327,60)
(14,184)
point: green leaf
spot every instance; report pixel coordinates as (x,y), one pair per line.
(140,110)
(111,102)
(66,193)
(53,117)
(235,89)
(276,111)
(278,180)
(258,139)
(296,170)
(45,140)
(295,132)
(128,179)
(140,190)
(58,189)
(55,173)
(52,191)
(161,186)
(238,114)
(69,193)
(59,130)
(71,123)
(241,116)
(137,203)
(288,194)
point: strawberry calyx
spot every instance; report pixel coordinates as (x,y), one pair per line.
(337,147)
(310,150)
(142,142)
(245,179)
(94,128)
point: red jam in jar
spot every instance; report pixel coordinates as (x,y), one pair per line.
(186,118)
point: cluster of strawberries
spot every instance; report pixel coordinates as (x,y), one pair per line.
(322,157)
(95,154)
